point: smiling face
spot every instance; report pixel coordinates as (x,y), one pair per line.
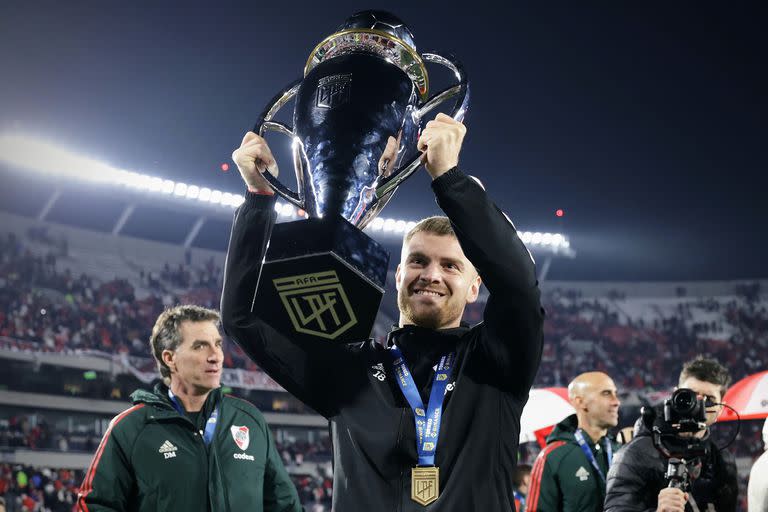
(434,281)
(595,398)
(197,362)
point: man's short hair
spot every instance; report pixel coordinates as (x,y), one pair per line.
(437,225)
(166,334)
(519,474)
(707,370)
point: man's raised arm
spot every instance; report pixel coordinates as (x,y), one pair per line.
(513,316)
(313,372)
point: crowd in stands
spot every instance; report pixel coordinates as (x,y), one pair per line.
(20,431)
(640,354)
(295,453)
(27,489)
(46,307)
(59,311)
(315,492)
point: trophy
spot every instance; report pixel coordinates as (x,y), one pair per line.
(322,277)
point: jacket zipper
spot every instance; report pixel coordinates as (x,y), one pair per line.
(402,473)
(202,449)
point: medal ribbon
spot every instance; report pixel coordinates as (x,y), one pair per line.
(427,422)
(579,435)
(210,424)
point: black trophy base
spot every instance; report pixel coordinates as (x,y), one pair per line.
(322,280)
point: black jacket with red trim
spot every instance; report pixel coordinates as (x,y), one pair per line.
(153,459)
(353,385)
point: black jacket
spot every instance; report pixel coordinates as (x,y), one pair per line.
(637,476)
(372,426)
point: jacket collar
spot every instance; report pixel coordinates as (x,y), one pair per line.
(421,344)
(400,335)
(159,398)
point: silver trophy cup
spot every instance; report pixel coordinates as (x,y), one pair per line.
(323,278)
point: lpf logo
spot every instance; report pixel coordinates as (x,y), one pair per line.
(425,485)
(316,303)
(333,91)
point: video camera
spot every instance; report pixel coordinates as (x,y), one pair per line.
(672,426)
(685,412)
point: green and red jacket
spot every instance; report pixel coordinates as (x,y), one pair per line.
(563,479)
(154,459)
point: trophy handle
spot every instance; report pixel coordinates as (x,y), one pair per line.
(460,92)
(264,124)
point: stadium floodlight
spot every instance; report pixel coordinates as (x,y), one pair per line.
(155,184)
(42,156)
(193,191)
(37,155)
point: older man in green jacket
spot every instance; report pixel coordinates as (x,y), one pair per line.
(569,473)
(185,446)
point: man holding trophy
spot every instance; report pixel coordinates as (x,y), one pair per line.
(430,421)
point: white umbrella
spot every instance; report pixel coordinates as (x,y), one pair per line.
(545,408)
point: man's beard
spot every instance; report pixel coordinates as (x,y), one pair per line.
(432,318)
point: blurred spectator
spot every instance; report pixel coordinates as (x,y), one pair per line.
(38,489)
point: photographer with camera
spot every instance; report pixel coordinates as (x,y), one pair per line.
(672,465)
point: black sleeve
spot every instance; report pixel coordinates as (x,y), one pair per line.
(727,481)
(316,373)
(631,485)
(513,318)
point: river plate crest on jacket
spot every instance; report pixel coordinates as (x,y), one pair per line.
(241,437)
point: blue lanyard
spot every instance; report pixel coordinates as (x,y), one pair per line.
(210,424)
(579,435)
(427,422)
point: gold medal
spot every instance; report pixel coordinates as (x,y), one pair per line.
(425,484)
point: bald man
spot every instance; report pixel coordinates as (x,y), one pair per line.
(569,473)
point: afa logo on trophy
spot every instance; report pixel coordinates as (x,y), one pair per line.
(316,304)
(333,91)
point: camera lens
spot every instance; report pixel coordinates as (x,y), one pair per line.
(684,400)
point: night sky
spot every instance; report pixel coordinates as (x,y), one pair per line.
(645,123)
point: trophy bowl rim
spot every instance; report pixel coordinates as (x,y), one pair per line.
(422,68)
